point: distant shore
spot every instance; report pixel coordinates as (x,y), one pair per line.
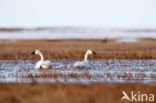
(76,33)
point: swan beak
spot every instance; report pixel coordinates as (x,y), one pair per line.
(33,53)
(94,53)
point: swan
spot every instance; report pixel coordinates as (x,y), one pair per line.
(42,64)
(85,63)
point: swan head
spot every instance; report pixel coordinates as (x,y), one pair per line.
(35,52)
(91,52)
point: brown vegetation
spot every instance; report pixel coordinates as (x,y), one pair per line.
(75,49)
(70,93)
(56,75)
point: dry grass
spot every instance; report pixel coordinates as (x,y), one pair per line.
(75,49)
(70,93)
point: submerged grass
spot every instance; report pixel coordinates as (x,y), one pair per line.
(56,75)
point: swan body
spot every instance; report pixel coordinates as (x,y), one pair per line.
(82,64)
(85,63)
(42,64)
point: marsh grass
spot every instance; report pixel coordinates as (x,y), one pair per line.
(70,93)
(56,75)
(75,49)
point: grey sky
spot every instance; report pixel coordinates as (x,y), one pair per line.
(78,13)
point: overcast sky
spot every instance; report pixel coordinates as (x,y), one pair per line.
(78,13)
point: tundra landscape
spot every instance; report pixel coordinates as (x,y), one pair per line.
(77,51)
(118,66)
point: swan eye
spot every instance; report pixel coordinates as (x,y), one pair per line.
(33,53)
(94,53)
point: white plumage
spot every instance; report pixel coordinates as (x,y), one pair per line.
(82,64)
(42,64)
(85,63)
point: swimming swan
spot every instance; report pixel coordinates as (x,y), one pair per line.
(85,63)
(42,64)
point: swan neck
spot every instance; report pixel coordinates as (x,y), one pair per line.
(86,57)
(41,55)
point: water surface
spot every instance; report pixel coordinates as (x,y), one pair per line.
(143,71)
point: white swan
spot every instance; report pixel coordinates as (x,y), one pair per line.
(85,63)
(42,64)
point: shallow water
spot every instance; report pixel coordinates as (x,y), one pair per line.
(143,71)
